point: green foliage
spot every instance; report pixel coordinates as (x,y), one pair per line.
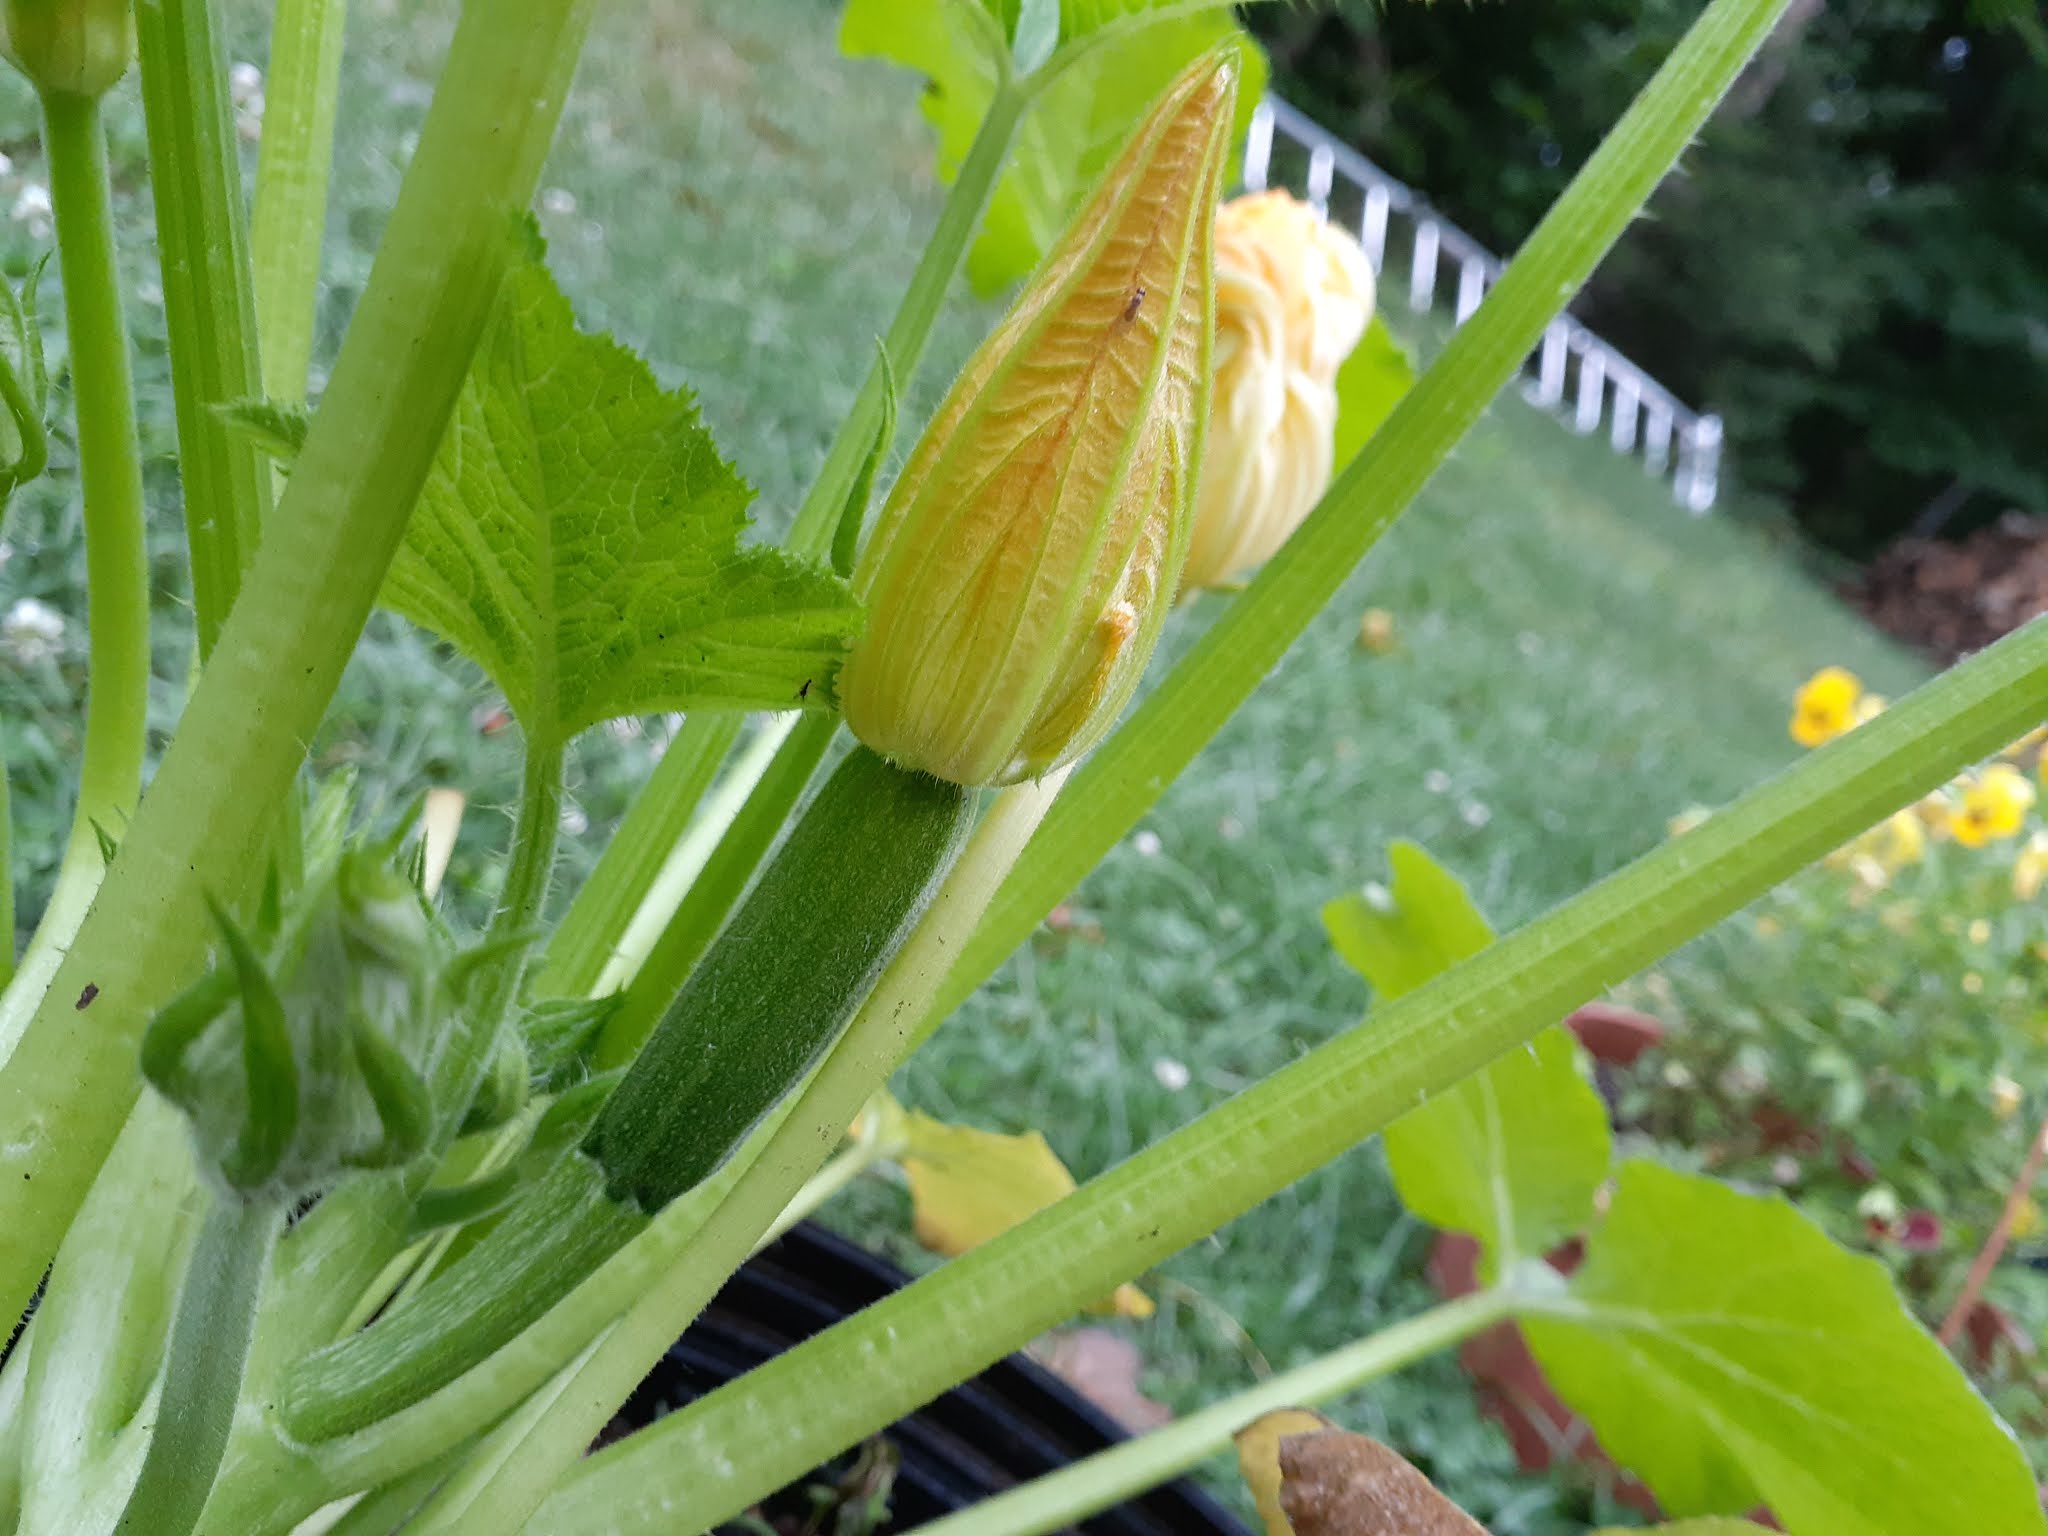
(1074,127)
(1515,1153)
(1729,1354)
(1370,383)
(578,538)
(1843,273)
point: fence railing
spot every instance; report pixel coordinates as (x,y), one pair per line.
(1573,373)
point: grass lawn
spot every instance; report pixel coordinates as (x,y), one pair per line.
(1577,661)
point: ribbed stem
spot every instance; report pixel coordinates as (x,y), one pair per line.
(116,571)
(291,185)
(203,1373)
(64,1091)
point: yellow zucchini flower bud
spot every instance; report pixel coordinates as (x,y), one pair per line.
(1293,296)
(1020,572)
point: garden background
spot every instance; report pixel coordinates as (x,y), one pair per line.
(1565,663)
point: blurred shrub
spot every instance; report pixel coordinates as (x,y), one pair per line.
(1849,271)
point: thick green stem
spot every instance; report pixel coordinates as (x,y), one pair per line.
(707,1462)
(291,185)
(583,944)
(209,307)
(64,1092)
(1066,1497)
(910,331)
(715,891)
(203,1373)
(116,570)
(874,1044)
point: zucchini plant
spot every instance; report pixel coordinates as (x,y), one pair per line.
(311,1203)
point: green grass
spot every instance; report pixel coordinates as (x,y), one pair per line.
(1577,661)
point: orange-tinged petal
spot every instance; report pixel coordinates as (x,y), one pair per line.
(1021,570)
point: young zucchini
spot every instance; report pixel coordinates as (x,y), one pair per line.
(770,996)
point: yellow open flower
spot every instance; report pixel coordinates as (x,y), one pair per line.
(1293,296)
(1993,804)
(1825,706)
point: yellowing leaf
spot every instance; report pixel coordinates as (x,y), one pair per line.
(1074,128)
(1258,1459)
(1311,1479)
(967,1186)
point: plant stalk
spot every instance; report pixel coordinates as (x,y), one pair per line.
(116,569)
(708,1461)
(1083,1488)
(1994,1245)
(209,306)
(910,332)
(290,214)
(203,1372)
(874,1043)
(584,942)
(65,1090)
(718,887)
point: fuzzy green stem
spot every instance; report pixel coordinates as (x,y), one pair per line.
(1082,1488)
(203,1373)
(873,1045)
(910,332)
(819,1189)
(593,927)
(116,571)
(65,1090)
(290,215)
(209,307)
(699,1466)
(715,891)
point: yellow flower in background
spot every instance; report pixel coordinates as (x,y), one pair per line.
(1825,706)
(1901,840)
(1293,296)
(2030,869)
(2026,1220)
(1376,632)
(1992,805)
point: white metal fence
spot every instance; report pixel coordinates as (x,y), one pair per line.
(1574,373)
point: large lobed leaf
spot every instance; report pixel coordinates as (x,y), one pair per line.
(1074,127)
(1514,1154)
(1729,1354)
(579,539)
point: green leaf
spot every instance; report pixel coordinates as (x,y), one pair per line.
(1729,1354)
(1370,384)
(1109,67)
(579,539)
(1712,1525)
(1512,1155)
(275,427)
